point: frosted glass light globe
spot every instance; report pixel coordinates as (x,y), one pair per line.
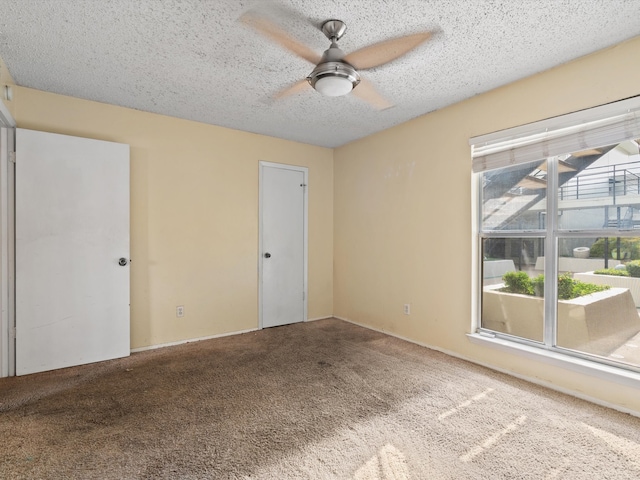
(333,86)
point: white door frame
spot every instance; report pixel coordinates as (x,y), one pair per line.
(7,235)
(305,172)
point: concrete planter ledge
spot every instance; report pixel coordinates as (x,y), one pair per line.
(572,264)
(598,323)
(632,283)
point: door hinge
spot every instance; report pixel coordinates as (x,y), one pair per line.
(12,157)
(12,333)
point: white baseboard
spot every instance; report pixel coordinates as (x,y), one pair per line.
(190,340)
(182,342)
(318,318)
(527,378)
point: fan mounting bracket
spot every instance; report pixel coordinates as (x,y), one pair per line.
(334,29)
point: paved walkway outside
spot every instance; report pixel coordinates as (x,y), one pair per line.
(629,352)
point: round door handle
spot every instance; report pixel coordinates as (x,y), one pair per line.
(122,262)
(267,255)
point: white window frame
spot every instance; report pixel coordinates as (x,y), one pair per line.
(538,141)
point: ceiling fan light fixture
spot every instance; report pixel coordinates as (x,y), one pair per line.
(334,79)
(331,86)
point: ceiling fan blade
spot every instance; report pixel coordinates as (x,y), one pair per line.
(386,51)
(367,92)
(294,89)
(273,32)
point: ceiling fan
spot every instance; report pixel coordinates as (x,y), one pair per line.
(336,73)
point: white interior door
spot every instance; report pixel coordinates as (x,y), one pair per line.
(72,227)
(283,252)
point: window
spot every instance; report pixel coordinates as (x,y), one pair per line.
(558,222)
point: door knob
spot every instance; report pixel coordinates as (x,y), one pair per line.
(267,255)
(122,262)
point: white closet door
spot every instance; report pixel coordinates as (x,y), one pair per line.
(283,241)
(72,229)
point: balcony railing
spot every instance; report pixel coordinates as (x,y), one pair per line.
(606,181)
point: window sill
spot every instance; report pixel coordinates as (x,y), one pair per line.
(604,372)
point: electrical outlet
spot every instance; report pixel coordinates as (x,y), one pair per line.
(180,311)
(407,308)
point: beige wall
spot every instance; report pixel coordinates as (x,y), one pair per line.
(403,218)
(194,214)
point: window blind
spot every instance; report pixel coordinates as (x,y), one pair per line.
(596,127)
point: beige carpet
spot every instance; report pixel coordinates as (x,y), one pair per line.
(321,400)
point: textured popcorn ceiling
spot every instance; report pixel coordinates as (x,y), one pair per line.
(192,58)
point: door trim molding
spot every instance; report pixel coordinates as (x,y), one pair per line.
(7,300)
(305,172)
